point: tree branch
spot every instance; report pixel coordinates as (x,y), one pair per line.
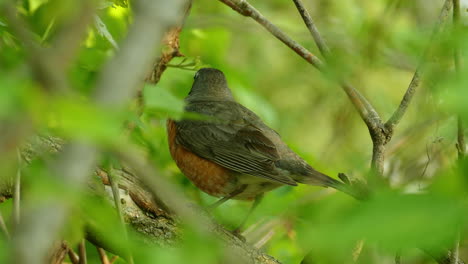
(364,108)
(145,215)
(415,81)
(237,251)
(461,147)
(3,227)
(117,83)
(321,44)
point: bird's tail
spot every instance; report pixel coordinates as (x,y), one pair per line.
(314,177)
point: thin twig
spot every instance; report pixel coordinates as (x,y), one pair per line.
(113,259)
(82,252)
(73,256)
(116,194)
(103,256)
(415,81)
(234,7)
(17,192)
(3,227)
(461,147)
(321,44)
(365,109)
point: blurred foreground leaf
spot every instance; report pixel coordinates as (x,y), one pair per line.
(390,221)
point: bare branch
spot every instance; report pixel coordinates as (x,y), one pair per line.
(17,191)
(171,49)
(321,44)
(234,7)
(415,82)
(3,227)
(365,109)
(461,145)
(59,253)
(73,256)
(103,256)
(237,251)
(82,252)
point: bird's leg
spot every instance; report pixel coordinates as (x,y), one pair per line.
(256,202)
(230,196)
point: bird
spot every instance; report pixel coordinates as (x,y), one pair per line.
(227,151)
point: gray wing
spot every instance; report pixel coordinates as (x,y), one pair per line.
(231,141)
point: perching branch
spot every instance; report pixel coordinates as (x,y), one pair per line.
(145,215)
(236,250)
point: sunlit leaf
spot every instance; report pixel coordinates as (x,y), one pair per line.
(35,4)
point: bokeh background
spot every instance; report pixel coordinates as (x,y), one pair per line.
(376,45)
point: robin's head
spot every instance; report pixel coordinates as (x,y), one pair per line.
(210,84)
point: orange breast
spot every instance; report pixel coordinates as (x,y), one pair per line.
(206,175)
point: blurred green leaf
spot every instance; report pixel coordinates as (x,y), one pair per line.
(78,118)
(35,4)
(390,221)
(157,98)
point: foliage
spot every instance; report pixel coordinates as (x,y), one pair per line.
(376,45)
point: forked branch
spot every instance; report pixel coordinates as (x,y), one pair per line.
(365,109)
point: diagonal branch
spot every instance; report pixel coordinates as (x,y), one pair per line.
(365,109)
(321,44)
(415,82)
(246,9)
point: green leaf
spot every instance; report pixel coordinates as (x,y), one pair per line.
(35,4)
(392,221)
(157,98)
(81,119)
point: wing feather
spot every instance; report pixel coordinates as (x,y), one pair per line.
(236,144)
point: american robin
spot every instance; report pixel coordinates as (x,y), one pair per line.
(230,152)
